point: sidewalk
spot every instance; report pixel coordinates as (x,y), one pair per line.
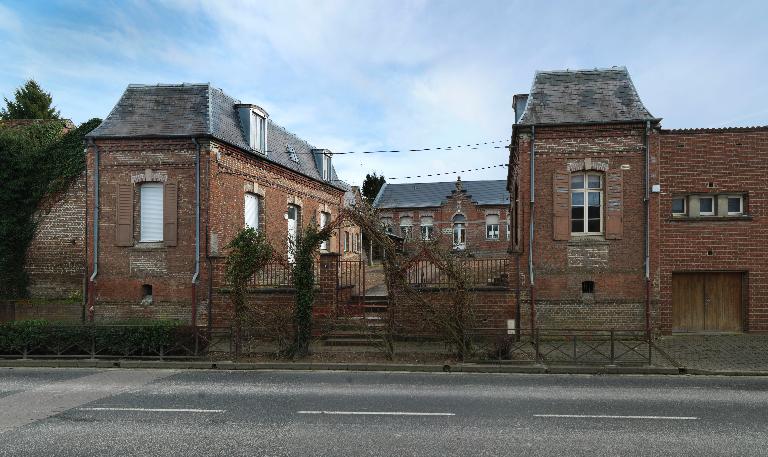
(732,352)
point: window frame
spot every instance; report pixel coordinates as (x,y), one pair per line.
(256,201)
(143,220)
(489,228)
(728,203)
(427,230)
(459,228)
(325,218)
(585,191)
(685,206)
(714,208)
(406,230)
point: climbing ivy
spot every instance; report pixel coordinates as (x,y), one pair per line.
(305,249)
(37,162)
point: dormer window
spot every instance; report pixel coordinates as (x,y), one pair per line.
(259,133)
(253,120)
(326,167)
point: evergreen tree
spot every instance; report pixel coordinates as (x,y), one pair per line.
(31,103)
(371,186)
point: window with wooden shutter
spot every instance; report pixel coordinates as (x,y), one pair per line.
(614,205)
(151,212)
(561,206)
(170,225)
(124,216)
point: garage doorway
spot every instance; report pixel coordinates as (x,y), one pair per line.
(706,302)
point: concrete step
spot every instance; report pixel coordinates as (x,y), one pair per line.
(350,342)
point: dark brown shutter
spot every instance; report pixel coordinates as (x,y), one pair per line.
(561,222)
(124,216)
(170,197)
(614,205)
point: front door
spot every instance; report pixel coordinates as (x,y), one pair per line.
(706,302)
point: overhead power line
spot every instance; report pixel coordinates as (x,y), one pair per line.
(439,148)
(451,172)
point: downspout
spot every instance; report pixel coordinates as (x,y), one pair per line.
(646,230)
(531,230)
(208,261)
(96,206)
(197,232)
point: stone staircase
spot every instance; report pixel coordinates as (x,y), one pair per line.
(361,330)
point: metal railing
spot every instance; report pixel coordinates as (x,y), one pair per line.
(576,346)
(277,274)
(481,273)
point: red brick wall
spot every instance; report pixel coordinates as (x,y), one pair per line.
(491,308)
(56,255)
(736,161)
(226,174)
(476,241)
(615,265)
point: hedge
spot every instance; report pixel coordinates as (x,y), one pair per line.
(132,338)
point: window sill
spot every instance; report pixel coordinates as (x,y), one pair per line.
(745,217)
(148,245)
(578,240)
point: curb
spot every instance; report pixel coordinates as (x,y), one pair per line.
(381,367)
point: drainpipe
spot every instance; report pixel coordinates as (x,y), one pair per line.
(647,229)
(531,230)
(96,206)
(197,232)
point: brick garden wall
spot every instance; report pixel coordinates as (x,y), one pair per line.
(56,255)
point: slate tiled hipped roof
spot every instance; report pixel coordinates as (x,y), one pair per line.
(431,194)
(583,96)
(186,110)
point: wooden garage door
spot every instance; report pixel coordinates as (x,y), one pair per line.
(706,302)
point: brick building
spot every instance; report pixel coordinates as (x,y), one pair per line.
(174,172)
(618,223)
(469,216)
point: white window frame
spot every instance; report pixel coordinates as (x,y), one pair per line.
(707,213)
(685,206)
(326,165)
(406,227)
(151,230)
(741,205)
(427,228)
(325,217)
(254,198)
(492,231)
(585,191)
(459,232)
(346,241)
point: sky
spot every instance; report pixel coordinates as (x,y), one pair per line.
(369,75)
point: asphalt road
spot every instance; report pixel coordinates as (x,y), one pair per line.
(69,412)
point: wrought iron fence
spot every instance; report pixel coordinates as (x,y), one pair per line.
(575,346)
(481,273)
(33,339)
(277,274)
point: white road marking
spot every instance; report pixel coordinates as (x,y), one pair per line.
(376,413)
(605,416)
(157,410)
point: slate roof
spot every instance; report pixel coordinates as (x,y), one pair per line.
(432,194)
(583,96)
(185,110)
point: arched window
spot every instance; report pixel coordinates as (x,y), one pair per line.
(386,222)
(586,203)
(459,231)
